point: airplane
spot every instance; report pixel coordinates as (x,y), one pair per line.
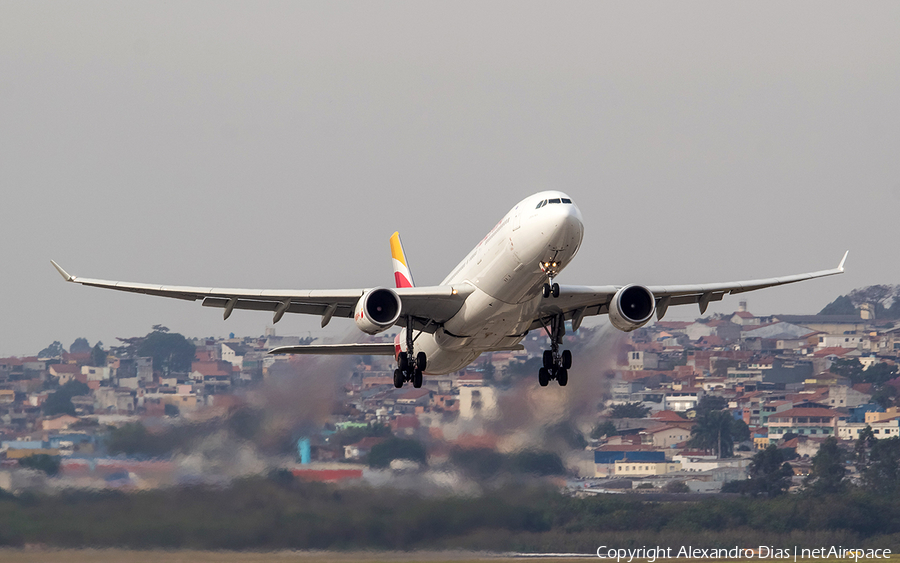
(501,290)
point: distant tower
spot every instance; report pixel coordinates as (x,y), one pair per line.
(742,306)
(270,331)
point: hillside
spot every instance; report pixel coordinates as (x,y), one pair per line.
(885,298)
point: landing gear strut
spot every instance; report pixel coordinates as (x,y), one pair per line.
(556,365)
(409,366)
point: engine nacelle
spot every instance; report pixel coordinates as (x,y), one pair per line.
(377,310)
(631,307)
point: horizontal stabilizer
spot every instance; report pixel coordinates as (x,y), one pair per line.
(383,349)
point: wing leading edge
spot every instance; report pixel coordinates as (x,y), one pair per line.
(374,349)
(428,307)
(577,302)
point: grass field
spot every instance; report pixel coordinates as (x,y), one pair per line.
(128,556)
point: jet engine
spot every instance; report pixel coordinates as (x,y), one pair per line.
(377,310)
(631,307)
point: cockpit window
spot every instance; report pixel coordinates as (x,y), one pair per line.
(555,200)
(566,200)
(540,204)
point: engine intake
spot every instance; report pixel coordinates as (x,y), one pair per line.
(377,310)
(631,307)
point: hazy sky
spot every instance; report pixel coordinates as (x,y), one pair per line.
(279,144)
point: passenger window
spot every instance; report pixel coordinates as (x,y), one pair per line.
(556,200)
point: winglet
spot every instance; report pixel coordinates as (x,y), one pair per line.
(844,259)
(62,272)
(402,275)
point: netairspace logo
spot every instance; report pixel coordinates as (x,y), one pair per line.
(651,554)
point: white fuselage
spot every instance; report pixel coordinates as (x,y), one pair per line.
(505,270)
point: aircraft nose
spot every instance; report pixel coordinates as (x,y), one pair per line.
(564,225)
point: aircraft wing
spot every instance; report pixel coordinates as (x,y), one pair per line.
(374,349)
(429,307)
(577,302)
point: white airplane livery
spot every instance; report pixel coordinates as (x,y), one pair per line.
(502,290)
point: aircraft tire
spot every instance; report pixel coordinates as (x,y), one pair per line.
(545,291)
(421,361)
(398,378)
(562,377)
(403,361)
(555,290)
(543,376)
(417,378)
(548,359)
(566,359)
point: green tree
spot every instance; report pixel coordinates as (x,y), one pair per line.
(381,455)
(718,431)
(133,439)
(60,401)
(49,464)
(55,350)
(605,428)
(769,473)
(488,371)
(98,356)
(861,449)
(843,305)
(879,374)
(882,476)
(629,410)
(676,487)
(711,403)
(80,346)
(828,469)
(884,397)
(170,351)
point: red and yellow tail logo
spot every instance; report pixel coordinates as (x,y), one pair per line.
(402,276)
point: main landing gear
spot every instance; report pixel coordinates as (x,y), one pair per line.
(556,364)
(409,366)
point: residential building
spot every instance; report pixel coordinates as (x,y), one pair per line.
(804,421)
(629,468)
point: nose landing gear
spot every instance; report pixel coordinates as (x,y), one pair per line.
(556,365)
(551,268)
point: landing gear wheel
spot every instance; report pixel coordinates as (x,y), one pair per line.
(417,378)
(548,359)
(555,290)
(398,378)
(543,377)
(566,359)
(403,361)
(421,361)
(562,376)
(545,291)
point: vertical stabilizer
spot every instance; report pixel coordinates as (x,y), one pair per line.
(402,275)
